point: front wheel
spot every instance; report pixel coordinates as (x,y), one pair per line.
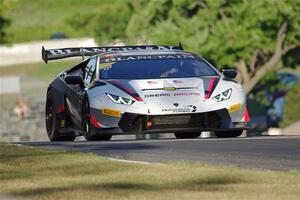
(228,134)
(87,124)
(187,135)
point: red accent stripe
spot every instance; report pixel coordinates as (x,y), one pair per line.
(210,86)
(94,122)
(246,115)
(127,90)
(61,108)
(138,98)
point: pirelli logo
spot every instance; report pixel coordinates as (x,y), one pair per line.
(111,112)
(234,107)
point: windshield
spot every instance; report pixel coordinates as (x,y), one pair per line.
(157,68)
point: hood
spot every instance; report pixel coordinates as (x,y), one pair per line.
(171,95)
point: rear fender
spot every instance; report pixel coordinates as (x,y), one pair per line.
(58,102)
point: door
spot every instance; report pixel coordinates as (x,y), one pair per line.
(75,94)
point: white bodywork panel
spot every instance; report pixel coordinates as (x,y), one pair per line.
(188,97)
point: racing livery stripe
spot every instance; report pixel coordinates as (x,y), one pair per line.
(212,85)
(97,124)
(61,108)
(129,91)
(246,115)
(94,122)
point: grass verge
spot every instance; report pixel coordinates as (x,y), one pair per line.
(39,70)
(46,174)
(38,19)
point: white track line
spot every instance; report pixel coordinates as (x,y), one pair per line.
(131,161)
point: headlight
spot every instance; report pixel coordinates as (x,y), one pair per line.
(223,95)
(120,100)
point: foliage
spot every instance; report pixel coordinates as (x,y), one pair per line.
(292,106)
(108,23)
(4,22)
(268,85)
(243,34)
(112,24)
(223,31)
(38,19)
(292,58)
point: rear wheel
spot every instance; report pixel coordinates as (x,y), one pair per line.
(228,134)
(54,132)
(87,124)
(187,135)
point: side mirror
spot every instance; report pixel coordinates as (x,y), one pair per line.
(230,73)
(74,80)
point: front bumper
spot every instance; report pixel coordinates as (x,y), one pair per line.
(131,123)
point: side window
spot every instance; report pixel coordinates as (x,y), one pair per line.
(90,71)
(78,70)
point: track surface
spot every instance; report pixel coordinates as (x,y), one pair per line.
(279,153)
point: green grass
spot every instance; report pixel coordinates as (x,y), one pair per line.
(38,19)
(46,174)
(40,71)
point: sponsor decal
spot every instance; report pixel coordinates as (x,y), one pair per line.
(187,94)
(189,108)
(169,88)
(194,108)
(176,110)
(234,107)
(175,95)
(157,95)
(146,57)
(111,112)
(110,49)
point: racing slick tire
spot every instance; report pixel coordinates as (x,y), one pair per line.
(187,135)
(54,132)
(228,134)
(87,124)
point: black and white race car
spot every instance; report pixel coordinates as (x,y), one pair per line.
(141,89)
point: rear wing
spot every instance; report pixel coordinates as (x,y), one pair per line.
(55,54)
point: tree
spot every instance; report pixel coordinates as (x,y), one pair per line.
(111,23)
(252,36)
(3,23)
(107,24)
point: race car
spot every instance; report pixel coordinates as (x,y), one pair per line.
(141,90)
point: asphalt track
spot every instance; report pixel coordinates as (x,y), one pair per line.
(277,153)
